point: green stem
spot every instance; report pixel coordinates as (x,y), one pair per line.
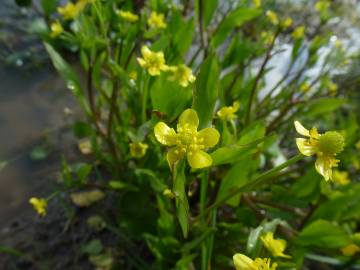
(260,180)
(203,193)
(145,93)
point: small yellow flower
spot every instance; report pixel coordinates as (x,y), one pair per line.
(138,150)
(243,262)
(182,74)
(154,62)
(350,250)
(326,146)
(299,32)
(168,193)
(71,10)
(128,16)
(275,246)
(133,75)
(267,37)
(333,88)
(341,178)
(305,87)
(287,22)
(56,29)
(187,140)
(156,20)
(322,5)
(228,113)
(257,3)
(272,16)
(39,205)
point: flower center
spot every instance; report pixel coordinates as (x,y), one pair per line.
(331,142)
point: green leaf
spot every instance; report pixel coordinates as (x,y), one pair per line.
(206,91)
(209,9)
(324,105)
(182,204)
(94,247)
(69,75)
(235,18)
(235,152)
(49,6)
(38,153)
(323,234)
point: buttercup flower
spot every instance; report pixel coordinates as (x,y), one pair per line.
(326,146)
(275,246)
(341,178)
(243,262)
(39,205)
(156,20)
(71,10)
(257,3)
(228,113)
(182,74)
(350,250)
(138,150)
(287,22)
(299,32)
(56,29)
(187,140)
(154,62)
(272,16)
(128,16)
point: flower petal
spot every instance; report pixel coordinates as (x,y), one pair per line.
(208,137)
(164,134)
(145,51)
(174,154)
(243,262)
(324,164)
(141,62)
(300,129)
(189,119)
(305,147)
(199,159)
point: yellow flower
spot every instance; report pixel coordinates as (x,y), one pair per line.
(56,29)
(287,22)
(187,140)
(299,32)
(39,205)
(71,10)
(333,87)
(133,75)
(154,62)
(128,16)
(350,250)
(305,87)
(182,74)
(257,3)
(156,20)
(326,146)
(275,246)
(138,150)
(341,178)
(322,5)
(168,193)
(228,113)
(267,37)
(272,16)
(243,262)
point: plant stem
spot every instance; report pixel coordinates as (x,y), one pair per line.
(145,92)
(201,28)
(260,180)
(203,191)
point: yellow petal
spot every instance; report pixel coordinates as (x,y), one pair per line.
(199,159)
(300,129)
(189,120)
(243,262)
(174,154)
(154,71)
(145,51)
(141,61)
(164,134)
(208,137)
(305,147)
(324,164)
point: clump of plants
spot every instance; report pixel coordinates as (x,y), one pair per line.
(199,144)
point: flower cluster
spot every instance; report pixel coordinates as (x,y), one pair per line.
(243,262)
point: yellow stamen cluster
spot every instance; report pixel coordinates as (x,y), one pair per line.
(243,262)
(325,146)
